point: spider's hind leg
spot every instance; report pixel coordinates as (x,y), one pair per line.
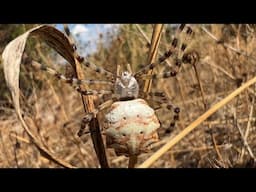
(89,116)
(165,103)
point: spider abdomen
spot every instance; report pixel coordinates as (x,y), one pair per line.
(131,127)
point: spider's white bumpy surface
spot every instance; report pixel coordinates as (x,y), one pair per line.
(131,127)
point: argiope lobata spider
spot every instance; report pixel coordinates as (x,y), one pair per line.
(130,124)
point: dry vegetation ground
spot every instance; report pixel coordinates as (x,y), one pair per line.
(226,139)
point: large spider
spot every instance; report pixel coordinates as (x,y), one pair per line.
(130,124)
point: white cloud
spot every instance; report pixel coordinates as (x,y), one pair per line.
(79,28)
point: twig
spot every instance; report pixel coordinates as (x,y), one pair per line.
(240,52)
(243,137)
(156,36)
(248,127)
(194,124)
(200,86)
(216,148)
(132,161)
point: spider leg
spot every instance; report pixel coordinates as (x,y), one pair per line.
(89,116)
(71,81)
(190,58)
(166,103)
(173,50)
(83,61)
(74,82)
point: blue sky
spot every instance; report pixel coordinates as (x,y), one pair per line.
(88,35)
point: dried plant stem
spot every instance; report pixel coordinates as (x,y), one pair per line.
(243,137)
(200,86)
(156,36)
(89,107)
(194,124)
(132,161)
(216,148)
(247,128)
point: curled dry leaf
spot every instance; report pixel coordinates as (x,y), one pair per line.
(12,56)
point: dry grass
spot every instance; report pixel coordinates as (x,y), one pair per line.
(225,139)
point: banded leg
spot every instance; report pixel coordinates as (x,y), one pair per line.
(173,51)
(88,117)
(83,61)
(190,58)
(164,102)
(75,82)
(71,81)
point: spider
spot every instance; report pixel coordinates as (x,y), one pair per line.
(131,124)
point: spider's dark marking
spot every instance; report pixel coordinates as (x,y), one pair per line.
(87,64)
(181,27)
(80,58)
(183,46)
(189,31)
(168,53)
(152,65)
(169,107)
(165,56)
(177,110)
(58,75)
(173,73)
(178,62)
(98,70)
(67,31)
(74,47)
(69,80)
(176,117)
(168,130)
(175,42)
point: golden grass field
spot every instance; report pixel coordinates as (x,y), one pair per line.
(224,139)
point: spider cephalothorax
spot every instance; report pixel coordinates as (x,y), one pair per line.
(126,86)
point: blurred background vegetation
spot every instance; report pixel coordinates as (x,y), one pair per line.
(224,140)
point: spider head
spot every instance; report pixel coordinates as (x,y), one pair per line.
(126,78)
(126,86)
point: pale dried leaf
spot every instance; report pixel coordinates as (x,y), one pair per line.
(11,58)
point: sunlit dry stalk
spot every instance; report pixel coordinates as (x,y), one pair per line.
(156,36)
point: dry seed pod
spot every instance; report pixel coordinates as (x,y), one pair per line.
(131,127)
